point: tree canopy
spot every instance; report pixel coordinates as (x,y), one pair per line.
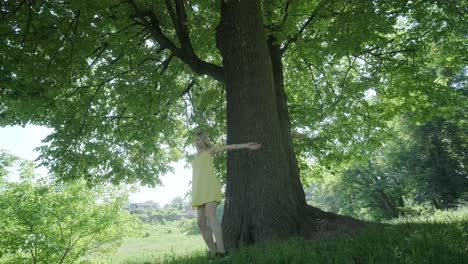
(123,83)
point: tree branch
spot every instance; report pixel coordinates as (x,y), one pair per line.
(318,91)
(6,15)
(150,22)
(101,51)
(71,28)
(178,23)
(120,30)
(165,64)
(286,12)
(99,85)
(28,24)
(188,87)
(295,37)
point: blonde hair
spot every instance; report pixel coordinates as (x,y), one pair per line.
(204,137)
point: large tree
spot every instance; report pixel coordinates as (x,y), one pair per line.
(123,82)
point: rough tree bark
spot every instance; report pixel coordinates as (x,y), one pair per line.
(264,195)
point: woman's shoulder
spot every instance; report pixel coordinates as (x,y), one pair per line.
(209,152)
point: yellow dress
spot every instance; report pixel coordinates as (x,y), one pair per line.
(205,185)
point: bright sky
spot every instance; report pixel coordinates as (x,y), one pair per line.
(21,141)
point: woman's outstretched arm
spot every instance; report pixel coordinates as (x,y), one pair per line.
(219,149)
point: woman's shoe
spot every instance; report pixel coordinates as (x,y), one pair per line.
(220,255)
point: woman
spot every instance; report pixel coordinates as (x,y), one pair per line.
(206,190)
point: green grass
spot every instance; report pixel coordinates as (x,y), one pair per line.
(160,241)
(440,238)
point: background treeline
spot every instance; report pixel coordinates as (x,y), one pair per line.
(151,212)
(177,212)
(422,167)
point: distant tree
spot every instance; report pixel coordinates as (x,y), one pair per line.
(178,208)
(434,156)
(377,192)
(176,203)
(6,160)
(27,170)
(46,223)
(422,164)
(179,203)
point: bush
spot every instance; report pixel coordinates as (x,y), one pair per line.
(190,227)
(54,223)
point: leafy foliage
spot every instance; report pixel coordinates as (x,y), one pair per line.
(53,223)
(122,86)
(6,160)
(348,79)
(422,165)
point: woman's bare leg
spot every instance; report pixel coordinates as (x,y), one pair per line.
(205,231)
(210,210)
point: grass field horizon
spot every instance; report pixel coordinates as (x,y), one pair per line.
(437,238)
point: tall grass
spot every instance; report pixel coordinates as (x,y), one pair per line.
(440,238)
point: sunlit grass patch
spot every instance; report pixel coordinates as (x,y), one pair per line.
(437,239)
(159,242)
(440,238)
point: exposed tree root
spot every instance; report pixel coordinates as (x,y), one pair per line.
(316,224)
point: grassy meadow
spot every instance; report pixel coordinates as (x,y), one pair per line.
(158,241)
(438,238)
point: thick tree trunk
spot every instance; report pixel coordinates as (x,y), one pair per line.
(284,120)
(264,195)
